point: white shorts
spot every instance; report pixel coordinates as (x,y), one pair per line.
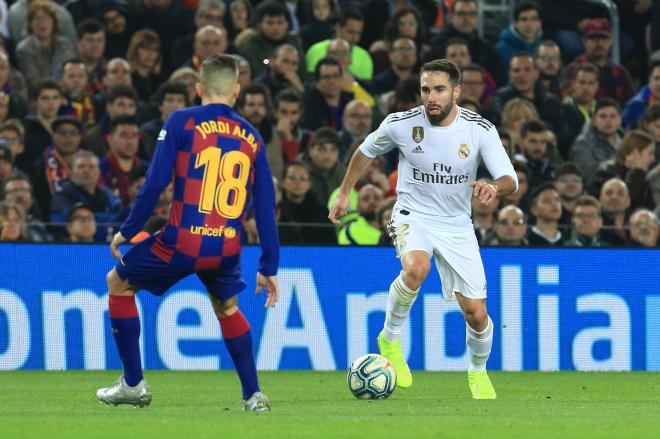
(457,256)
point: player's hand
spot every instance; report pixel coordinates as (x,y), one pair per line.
(117,240)
(338,208)
(486,192)
(272,288)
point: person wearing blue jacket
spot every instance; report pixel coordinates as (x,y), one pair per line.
(648,95)
(524,34)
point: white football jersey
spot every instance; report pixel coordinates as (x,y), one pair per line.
(437,164)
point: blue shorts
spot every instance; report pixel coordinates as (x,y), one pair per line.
(141,268)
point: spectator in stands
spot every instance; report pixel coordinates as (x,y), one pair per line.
(402,54)
(17,188)
(11,136)
(288,139)
(615,201)
(43,37)
(463,17)
(324,102)
(473,84)
(6,162)
(382,18)
(122,100)
(483,217)
(81,224)
(599,139)
(282,71)
(190,77)
(244,72)
(548,60)
(319,25)
(240,15)
(13,227)
(631,163)
(356,125)
(118,29)
(341,51)
(253,104)
(348,28)
(209,40)
(514,114)
(522,83)
(579,107)
(91,47)
(524,34)
(407,22)
(272,31)
(518,198)
(19,20)
(14,96)
(615,81)
(135,180)
(117,72)
(650,123)
(570,186)
(322,159)
(122,157)
(78,95)
(365,228)
(587,221)
(546,208)
(648,95)
(170,96)
(510,228)
(406,95)
(209,13)
(145,58)
(644,229)
(384,216)
(299,205)
(48,99)
(534,147)
(84,188)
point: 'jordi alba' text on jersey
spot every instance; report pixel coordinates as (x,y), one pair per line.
(437,164)
(214,154)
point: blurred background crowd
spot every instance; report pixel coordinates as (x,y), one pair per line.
(573,87)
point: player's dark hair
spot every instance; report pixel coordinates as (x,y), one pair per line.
(123,119)
(532,126)
(606,103)
(89,26)
(288,95)
(538,190)
(122,91)
(446,66)
(46,84)
(349,13)
(587,67)
(171,88)
(327,61)
(524,7)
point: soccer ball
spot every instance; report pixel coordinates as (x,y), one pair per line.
(371,376)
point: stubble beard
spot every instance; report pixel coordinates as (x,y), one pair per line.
(436,119)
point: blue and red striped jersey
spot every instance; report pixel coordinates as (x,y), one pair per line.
(220,170)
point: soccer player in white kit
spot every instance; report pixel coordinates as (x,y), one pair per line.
(440,147)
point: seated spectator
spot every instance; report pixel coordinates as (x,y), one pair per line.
(322,158)
(77,93)
(402,54)
(122,100)
(116,19)
(122,157)
(647,96)
(580,106)
(81,224)
(190,77)
(324,102)
(534,146)
(615,201)
(145,58)
(91,46)
(356,126)
(650,123)
(631,164)
(6,162)
(288,139)
(117,72)
(570,186)
(548,60)
(208,13)
(135,181)
(587,222)
(546,208)
(13,227)
(514,114)
(319,25)
(15,98)
(209,40)
(510,228)
(524,34)
(518,198)
(365,228)
(254,104)
(473,84)
(11,135)
(299,205)
(170,96)
(341,51)
(18,21)
(483,217)
(282,71)
(43,38)
(599,139)
(240,15)
(644,229)
(17,189)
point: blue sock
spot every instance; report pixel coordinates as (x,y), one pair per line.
(238,339)
(126,331)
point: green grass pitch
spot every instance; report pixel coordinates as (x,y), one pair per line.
(318,405)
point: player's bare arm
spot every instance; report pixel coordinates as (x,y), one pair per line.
(358,165)
(487,192)
(272,287)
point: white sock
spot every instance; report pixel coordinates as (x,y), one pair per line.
(479,345)
(399,302)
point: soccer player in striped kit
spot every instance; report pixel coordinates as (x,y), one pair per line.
(220,169)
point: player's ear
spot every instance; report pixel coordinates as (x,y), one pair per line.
(237,90)
(457,92)
(199,88)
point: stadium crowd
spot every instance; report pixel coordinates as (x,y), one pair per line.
(88,84)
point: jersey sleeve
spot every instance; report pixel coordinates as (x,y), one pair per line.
(158,177)
(494,156)
(264,213)
(379,142)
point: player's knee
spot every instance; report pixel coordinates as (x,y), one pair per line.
(477,318)
(224,308)
(416,272)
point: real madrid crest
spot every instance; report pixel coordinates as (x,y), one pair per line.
(463,151)
(418,134)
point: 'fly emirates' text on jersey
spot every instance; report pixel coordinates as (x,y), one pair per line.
(437,164)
